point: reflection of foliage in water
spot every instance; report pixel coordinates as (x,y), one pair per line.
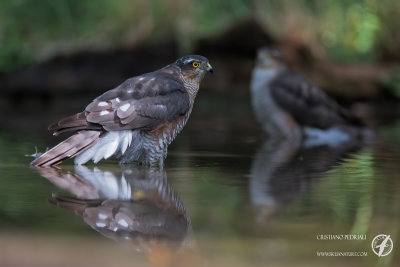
(351,182)
(32,30)
(354,198)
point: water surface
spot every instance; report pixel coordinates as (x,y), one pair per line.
(226,197)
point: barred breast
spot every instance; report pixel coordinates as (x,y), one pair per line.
(162,137)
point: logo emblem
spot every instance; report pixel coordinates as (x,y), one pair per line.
(382,245)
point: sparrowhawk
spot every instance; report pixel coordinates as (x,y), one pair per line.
(135,121)
(289,106)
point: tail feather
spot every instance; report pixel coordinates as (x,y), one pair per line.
(76,205)
(73,123)
(68,148)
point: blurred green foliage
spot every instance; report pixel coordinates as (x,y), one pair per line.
(346,30)
(32,31)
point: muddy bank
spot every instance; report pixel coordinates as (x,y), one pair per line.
(231,53)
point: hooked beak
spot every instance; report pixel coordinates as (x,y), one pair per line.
(209,68)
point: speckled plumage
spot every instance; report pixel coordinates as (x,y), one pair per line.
(135,121)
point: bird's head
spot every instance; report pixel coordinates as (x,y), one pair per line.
(193,67)
(268,58)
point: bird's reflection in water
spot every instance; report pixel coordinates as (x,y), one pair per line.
(283,171)
(133,205)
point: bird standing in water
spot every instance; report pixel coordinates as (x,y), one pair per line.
(135,121)
(288,106)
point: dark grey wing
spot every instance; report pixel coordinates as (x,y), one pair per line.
(142,102)
(308,104)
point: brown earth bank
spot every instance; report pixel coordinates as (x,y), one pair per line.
(231,53)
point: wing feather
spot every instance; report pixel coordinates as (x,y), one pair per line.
(308,104)
(141,102)
(100,116)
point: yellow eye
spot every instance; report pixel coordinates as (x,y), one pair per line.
(196,64)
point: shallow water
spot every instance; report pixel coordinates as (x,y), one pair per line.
(226,197)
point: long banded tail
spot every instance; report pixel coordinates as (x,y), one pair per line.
(68,148)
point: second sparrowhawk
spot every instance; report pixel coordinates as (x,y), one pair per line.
(289,106)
